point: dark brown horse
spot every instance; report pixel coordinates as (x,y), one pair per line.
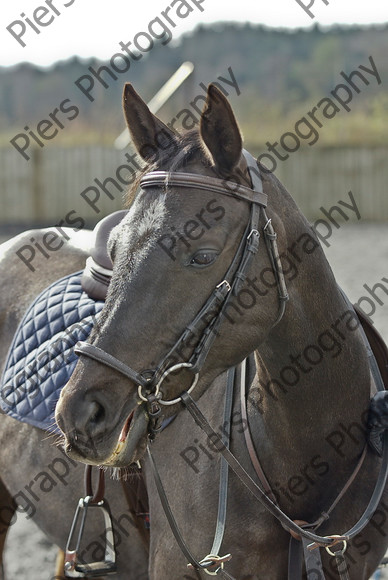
(309,389)
(38,481)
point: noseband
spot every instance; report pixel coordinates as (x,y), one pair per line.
(213,311)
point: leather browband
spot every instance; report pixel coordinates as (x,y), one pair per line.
(203,182)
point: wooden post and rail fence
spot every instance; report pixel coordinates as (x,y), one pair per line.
(49,186)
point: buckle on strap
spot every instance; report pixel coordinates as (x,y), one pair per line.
(253,241)
(73,567)
(223,288)
(335,539)
(254,232)
(212,563)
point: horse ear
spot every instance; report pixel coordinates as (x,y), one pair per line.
(220,132)
(149,134)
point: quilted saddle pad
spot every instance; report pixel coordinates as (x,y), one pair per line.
(41,357)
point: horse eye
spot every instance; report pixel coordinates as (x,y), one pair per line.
(204,258)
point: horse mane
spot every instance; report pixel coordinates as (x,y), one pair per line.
(184,149)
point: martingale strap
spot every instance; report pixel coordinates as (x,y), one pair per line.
(315,540)
(248,436)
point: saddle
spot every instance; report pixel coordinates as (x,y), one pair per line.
(98,270)
(41,357)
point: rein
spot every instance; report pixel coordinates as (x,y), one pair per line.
(212,564)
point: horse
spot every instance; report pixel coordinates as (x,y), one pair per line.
(38,480)
(161,336)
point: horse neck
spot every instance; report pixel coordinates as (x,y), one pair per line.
(313,378)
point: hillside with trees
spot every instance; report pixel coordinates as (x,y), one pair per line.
(281,75)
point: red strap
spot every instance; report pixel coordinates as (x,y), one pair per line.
(100,492)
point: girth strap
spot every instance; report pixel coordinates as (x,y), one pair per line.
(298,551)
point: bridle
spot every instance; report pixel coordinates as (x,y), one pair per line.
(207,322)
(149,382)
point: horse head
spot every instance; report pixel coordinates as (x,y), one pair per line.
(186,250)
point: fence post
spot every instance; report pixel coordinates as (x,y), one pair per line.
(37,185)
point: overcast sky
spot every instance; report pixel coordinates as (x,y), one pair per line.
(96,27)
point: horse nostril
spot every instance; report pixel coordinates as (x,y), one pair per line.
(97,415)
(94,423)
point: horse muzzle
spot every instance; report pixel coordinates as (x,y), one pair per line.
(90,436)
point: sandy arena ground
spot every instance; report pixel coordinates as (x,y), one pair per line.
(358,255)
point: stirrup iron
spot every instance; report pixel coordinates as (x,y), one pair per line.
(73,567)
